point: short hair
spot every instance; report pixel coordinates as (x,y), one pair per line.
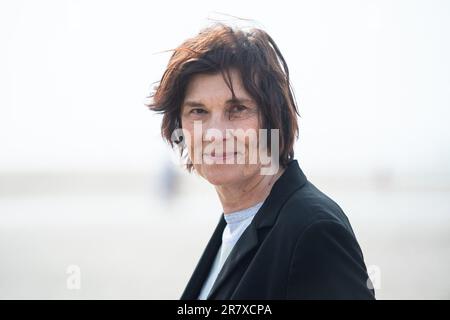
(264,74)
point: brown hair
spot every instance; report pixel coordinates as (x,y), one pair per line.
(263,70)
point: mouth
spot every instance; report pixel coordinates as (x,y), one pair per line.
(220,156)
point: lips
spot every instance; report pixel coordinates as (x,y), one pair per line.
(223,155)
(220,156)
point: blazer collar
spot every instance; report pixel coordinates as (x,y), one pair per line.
(291,180)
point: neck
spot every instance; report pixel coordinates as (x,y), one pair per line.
(247,193)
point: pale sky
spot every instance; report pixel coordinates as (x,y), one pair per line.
(372,79)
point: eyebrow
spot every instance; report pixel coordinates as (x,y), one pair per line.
(229,101)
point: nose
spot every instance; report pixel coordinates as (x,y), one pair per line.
(216,129)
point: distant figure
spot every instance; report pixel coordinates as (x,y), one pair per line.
(227,92)
(168,180)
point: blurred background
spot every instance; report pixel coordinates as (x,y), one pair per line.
(94,205)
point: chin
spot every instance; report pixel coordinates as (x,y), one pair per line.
(222,174)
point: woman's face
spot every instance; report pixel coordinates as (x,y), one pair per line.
(220,152)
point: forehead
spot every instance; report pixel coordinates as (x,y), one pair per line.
(213,88)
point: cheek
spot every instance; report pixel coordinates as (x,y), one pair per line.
(192,141)
(251,139)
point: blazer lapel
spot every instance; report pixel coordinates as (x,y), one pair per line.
(203,267)
(291,180)
(246,243)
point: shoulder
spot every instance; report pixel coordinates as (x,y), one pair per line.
(308,207)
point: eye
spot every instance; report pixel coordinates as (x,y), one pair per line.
(238,108)
(197,111)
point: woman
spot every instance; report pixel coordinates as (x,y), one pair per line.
(227,100)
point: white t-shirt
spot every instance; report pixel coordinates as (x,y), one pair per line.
(237,222)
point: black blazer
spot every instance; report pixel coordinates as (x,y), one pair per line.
(299,245)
